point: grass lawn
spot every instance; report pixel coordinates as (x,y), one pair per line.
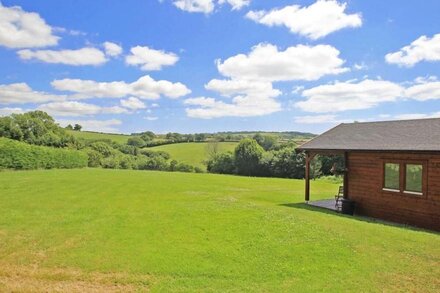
(193,153)
(110,230)
(119,138)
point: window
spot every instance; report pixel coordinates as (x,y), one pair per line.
(414,178)
(392,176)
(404,177)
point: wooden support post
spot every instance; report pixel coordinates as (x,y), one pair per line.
(346,175)
(309,157)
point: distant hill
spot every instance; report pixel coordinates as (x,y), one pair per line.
(194,153)
(119,138)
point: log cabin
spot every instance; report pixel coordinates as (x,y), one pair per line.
(392,168)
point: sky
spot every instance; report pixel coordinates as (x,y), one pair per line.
(193,66)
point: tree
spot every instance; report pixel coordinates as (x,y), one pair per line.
(77,127)
(69,127)
(199,136)
(267,142)
(136,141)
(221,163)
(247,157)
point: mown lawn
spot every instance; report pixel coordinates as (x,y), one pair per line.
(114,230)
(194,153)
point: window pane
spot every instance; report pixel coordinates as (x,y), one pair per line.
(392,176)
(414,177)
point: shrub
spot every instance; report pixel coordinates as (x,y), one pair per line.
(103,148)
(247,157)
(222,163)
(94,158)
(136,141)
(154,163)
(19,155)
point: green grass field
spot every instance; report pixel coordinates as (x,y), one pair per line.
(114,230)
(119,138)
(193,153)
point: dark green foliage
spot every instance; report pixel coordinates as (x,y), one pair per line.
(94,158)
(327,163)
(77,127)
(267,142)
(287,163)
(247,157)
(19,155)
(153,163)
(222,163)
(34,127)
(103,148)
(128,149)
(69,127)
(136,141)
(152,154)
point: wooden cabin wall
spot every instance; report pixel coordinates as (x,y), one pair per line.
(366,174)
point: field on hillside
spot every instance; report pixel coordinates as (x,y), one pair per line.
(193,153)
(115,230)
(119,138)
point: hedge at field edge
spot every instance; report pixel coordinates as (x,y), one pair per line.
(22,156)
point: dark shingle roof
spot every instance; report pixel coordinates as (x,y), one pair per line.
(403,135)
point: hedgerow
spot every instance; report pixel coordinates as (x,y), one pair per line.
(20,155)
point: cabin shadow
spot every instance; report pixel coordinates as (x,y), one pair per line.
(304,206)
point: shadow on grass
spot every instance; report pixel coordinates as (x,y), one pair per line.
(308,207)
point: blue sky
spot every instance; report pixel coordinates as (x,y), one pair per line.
(220,65)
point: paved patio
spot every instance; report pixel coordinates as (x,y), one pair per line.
(328,204)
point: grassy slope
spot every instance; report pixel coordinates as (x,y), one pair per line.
(119,138)
(193,153)
(112,229)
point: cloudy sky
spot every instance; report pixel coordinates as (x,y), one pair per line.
(219,65)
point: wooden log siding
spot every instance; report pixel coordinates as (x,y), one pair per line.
(366,173)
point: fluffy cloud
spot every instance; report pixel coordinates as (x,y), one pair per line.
(250,87)
(417,116)
(266,62)
(317,119)
(84,56)
(343,96)
(8,111)
(424,91)
(108,126)
(203,6)
(236,4)
(21,29)
(241,106)
(73,108)
(144,88)
(112,49)
(133,103)
(422,49)
(208,6)
(21,93)
(149,59)
(315,21)
(151,118)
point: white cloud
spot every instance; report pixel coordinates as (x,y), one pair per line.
(133,103)
(417,116)
(317,119)
(21,29)
(233,87)
(299,62)
(151,118)
(315,21)
(236,4)
(112,49)
(144,88)
(94,125)
(203,6)
(73,108)
(424,91)
(8,111)
(343,96)
(241,106)
(21,93)
(149,59)
(84,56)
(422,49)
(208,6)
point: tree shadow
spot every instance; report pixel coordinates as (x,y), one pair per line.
(323,210)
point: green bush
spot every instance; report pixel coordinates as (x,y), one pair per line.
(22,156)
(248,154)
(222,163)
